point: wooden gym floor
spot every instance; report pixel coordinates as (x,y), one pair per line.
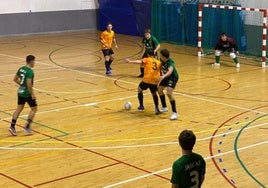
(84,137)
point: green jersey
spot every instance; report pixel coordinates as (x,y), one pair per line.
(150,43)
(24,73)
(166,65)
(188,171)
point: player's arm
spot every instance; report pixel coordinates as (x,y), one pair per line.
(133,61)
(102,40)
(157,45)
(29,83)
(157,48)
(115,43)
(168,73)
(16,79)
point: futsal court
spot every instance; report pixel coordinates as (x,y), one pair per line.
(83,136)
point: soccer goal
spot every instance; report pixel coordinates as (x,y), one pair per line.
(254,28)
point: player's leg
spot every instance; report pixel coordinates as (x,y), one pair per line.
(111,58)
(171,85)
(142,86)
(153,90)
(33,105)
(162,86)
(217,57)
(20,106)
(234,56)
(106,60)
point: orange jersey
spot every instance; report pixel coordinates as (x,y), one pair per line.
(107,38)
(152,68)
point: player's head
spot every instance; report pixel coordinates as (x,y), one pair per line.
(109,26)
(30,60)
(187,139)
(147,33)
(223,37)
(150,52)
(164,55)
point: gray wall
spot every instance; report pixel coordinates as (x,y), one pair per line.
(44,22)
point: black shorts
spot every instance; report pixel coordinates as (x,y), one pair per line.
(152,87)
(169,82)
(107,52)
(230,49)
(29,100)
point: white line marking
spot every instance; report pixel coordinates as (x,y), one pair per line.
(167,169)
(69,92)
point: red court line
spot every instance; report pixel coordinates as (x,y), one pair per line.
(19,182)
(73,175)
(211,144)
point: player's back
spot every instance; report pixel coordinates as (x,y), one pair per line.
(24,73)
(152,69)
(190,169)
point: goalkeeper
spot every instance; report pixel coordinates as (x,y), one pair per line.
(226,43)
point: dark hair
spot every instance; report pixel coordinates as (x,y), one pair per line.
(30,58)
(147,31)
(223,34)
(150,52)
(108,23)
(187,139)
(165,53)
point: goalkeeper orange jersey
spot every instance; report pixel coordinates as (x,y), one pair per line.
(107,37)
(152,69)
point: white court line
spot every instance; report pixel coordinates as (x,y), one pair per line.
(51,78)
(69,92)
(167,169)
(62,68)
(224,104)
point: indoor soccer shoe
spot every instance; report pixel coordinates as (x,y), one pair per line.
(237,65)
(12,131)
(157,111)
(216,64)
(163,109)
(28,130)
(174,116)
(141,108)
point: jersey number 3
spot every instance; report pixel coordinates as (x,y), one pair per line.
(194,179)
(155,66)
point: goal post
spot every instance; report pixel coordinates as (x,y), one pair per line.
(229,7)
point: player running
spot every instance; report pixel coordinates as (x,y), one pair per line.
(149,42)
(24,78)
(168,80)
(107,38)
(226,43)
(150,79)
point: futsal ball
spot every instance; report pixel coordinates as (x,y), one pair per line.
(128,105)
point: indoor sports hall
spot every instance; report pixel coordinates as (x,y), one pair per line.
(82,134)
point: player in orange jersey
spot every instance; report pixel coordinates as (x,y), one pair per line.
(107,38)
(152,68)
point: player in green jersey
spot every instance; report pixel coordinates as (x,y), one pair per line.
(189,170)
(24,78)
(149,42)
(168,80)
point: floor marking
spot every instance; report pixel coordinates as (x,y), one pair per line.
(106,141)
(224,104)
(167,169)
(69,92)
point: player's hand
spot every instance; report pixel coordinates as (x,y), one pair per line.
(116,47)
(127,60)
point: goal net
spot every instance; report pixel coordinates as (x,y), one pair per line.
(248,26)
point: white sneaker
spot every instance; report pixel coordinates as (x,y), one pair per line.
(164,109)
(174,116)
(237,65)
(216,64)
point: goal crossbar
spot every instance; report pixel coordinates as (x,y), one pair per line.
(264,25)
